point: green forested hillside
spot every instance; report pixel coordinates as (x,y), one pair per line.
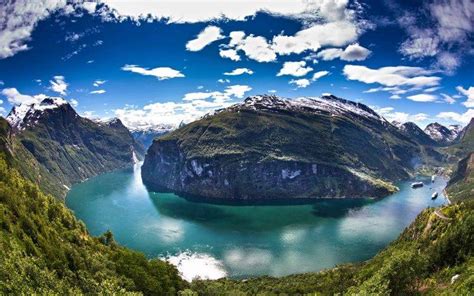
(46,250)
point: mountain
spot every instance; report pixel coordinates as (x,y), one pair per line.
(462,146)
(69,147)
(461,185)
(442,134)
(413,131)
(272,148)
(146,137)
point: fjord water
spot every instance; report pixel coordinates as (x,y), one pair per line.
(239,241)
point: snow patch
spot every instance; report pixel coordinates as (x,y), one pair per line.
(20,115)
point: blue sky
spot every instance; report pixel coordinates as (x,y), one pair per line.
(409,60)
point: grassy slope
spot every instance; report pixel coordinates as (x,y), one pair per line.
(268,136)
(46,250)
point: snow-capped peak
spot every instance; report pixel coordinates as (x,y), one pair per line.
(441,133)
(326,103)
(20,113)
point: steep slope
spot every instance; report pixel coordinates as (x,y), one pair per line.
(463,145)
(461,185)
(71,148)
(413,131)
(441,134)
(272,148)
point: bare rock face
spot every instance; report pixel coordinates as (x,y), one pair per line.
(269,148)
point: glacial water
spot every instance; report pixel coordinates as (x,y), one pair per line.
(212,241)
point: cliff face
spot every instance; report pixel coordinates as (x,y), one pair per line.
(250,179)
(271,148)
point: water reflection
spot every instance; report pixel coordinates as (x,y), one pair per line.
(338,208)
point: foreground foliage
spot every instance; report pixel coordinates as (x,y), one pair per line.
(46,250)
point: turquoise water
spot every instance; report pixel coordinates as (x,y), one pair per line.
(239,241)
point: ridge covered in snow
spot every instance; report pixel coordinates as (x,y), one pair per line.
(326,103)
(440,133)
(22,115)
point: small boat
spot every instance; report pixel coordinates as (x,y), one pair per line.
(417,184)
(433,178)
(434,195)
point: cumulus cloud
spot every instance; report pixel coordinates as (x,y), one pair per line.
(423,98)
(14,97)
(204,38)
(223,80)
(463,118)
(336,26)
(201,11)
(296,69)
(98,92)
(353,52)
(162,73)
(237,91)
(229,54)
(391,115)
(469,93)
(59,85)
(239,71)
(74,102)
(392,76)
(171,114)
(300,83)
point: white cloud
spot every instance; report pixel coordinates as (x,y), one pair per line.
(391,115)
(448,99)
(206,37)
(59,85)
(463,118)
(98,92)
(19,18)
(469,93)
(223,80)
(73,102)
(300,83)
(201,11)
(98,83)
(442,29)
(254,47)
(319,74)
(171,114)
(296,69)
(14,97)
(237,91)
(353,52)
(423,98)
(392,76)
(162,73)
(239,71)
(229,54)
